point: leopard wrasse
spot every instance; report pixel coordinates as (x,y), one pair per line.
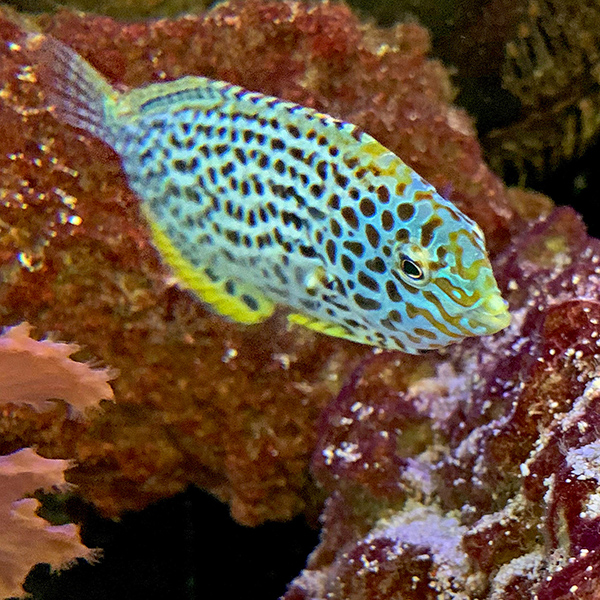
(254,201)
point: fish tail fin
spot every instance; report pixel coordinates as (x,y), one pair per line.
(76,92)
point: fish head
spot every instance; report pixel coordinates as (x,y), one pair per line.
(441,269)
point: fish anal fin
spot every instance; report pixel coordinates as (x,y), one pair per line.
(315,324)
(237,300)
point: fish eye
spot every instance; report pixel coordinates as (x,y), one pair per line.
(411,268)
(413,264)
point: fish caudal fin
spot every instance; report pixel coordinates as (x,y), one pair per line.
(76,92)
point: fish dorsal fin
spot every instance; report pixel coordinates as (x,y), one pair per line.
(230,297)
(321,326)
(192,91)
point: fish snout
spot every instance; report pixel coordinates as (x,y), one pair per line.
(492,314)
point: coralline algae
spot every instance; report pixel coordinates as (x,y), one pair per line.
(498,438)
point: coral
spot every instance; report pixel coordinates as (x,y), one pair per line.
(528,70)
(26,538)
(545,55)
(475,474)
(199,399)
(45,395)
(32,372)
(552,65)
(34,375)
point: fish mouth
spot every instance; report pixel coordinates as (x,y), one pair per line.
(492,314)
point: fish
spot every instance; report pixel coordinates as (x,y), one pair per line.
(256,202)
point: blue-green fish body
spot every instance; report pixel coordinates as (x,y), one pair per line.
(255,201)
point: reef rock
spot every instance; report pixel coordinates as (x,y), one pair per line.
(475,474)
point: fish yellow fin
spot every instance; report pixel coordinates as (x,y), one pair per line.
(323,327)
(232,298)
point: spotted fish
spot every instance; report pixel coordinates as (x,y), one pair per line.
(254,201)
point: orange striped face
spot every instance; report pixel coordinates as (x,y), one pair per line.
(422,280)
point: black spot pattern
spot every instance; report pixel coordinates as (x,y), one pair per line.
(263,186)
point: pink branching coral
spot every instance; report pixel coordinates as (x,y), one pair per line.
(199,399)
(475,475)
(32,374)
(25,538)
(33,371)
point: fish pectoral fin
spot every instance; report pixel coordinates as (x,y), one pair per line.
(240,301)
(315,324)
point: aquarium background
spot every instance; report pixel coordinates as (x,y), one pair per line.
(531,86)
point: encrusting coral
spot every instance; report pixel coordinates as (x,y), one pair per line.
(199,399)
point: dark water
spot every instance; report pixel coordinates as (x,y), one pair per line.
(182,548)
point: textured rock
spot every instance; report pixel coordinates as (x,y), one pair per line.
(476,475)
